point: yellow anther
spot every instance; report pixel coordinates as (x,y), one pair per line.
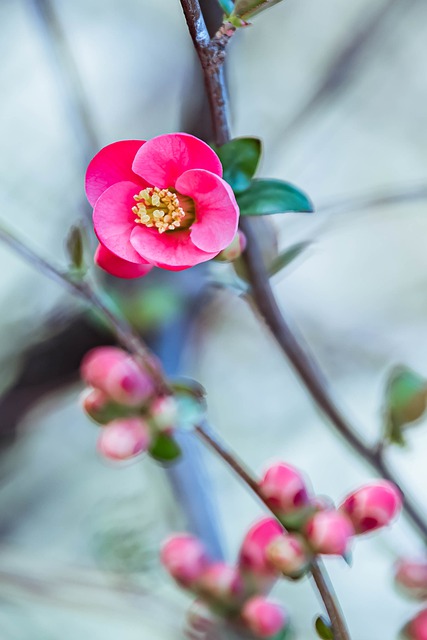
(159,208)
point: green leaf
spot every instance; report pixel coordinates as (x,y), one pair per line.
(405,402)
(265,197)
(285,258)
(227,6)
(246,9)
(75,248)
(324,629)
(164,448)
(240,158)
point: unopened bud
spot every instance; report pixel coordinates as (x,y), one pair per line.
(373,506)
(416,629)
(221,583)
(329,532)
(116,373)
(185,558)
(263,617)
(285,488)
(253,552)
(289,555)
(124,438)
(234,249)
(164,413)
(101,408)
(411,578)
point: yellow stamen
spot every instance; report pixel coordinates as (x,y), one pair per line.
(159,208)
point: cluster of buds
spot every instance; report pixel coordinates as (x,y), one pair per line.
(223,591)
(122,398)
(411,580)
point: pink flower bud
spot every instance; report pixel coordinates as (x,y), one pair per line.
(185,558)
(411,578)
(164,413)
(329,532)
(124,438)
(285,489)
(372,506)
(416,629)
(221,583)
(94,403)
(116,373)
(263,617)
(234,249)
(289,555)
(253,552)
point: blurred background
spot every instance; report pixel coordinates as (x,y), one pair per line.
(338,93)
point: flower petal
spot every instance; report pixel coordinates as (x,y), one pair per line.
(114,220)
(110,165)
(163,159)
(217,212)
(118,267)
(172,250)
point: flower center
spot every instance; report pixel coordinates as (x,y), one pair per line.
(162,209)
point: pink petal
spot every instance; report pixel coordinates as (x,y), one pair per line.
(171,250)
(163,159)
(114,220)
(117,266)
(110,165)
(217,212)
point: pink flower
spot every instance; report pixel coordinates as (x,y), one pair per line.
(411,577)
(417,628)
(329,532)
(185,558)
(124,438)
(263,617)
(115,373)
(373,506)
(285,488)
(253,552)
(161,202)
(289,555)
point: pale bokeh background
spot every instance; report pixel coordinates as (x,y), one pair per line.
(357,295)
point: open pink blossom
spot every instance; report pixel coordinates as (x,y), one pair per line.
(161,202)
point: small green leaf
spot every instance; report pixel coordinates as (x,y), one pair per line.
(405,402)
(246,9)
(75,248)
(240,158)
(265,197)
(227,6)
(285,258)
(164,448)
(324,629)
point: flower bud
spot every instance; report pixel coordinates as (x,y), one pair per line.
(263,617)
(329,532)
(164,413)
(234,249)
(221,583)
(284,488)
(411,578)
(289,555)
(253,552)
(372,506)
(185,558)
(416,629)
(100,408)
(116,373)
(124,438)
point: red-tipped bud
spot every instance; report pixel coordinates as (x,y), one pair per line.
(329,532)
(164,413)
(289,555)
(263,617)
(116,373)
(285,488)
(411,578)
(185,558)
(253,552)
(221,583)
(416,629)
(234,249)
(124,438)
(94,402)
(373,506)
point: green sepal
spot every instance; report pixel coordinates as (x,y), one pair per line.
(266,197)
(323,628)
(164,448)
(405,402)
(240,158)
(286,257)
(246,9)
